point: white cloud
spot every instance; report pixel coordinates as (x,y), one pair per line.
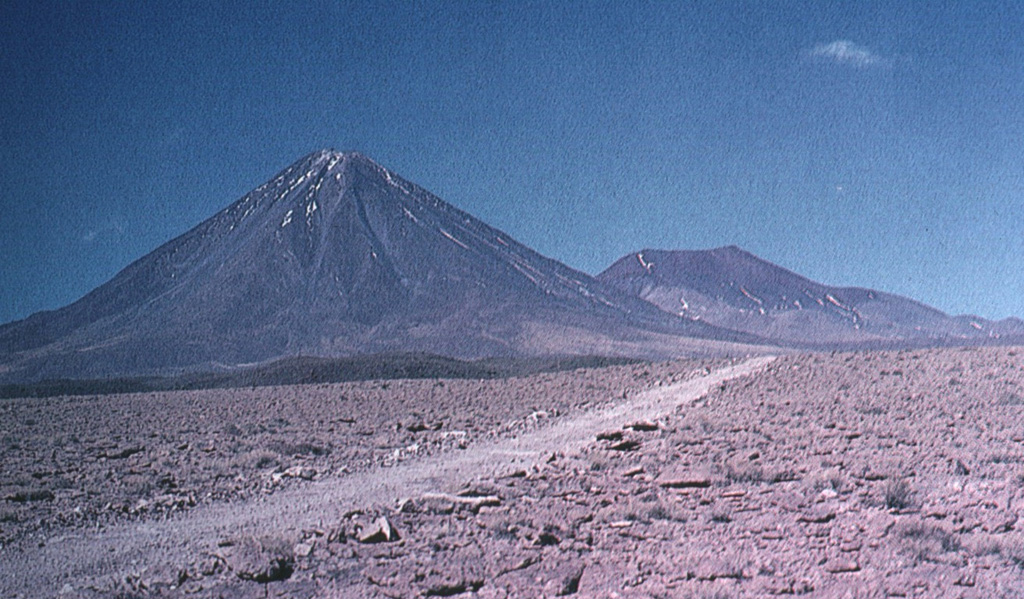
(113,227)
(847,53)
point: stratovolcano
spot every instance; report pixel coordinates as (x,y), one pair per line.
(337,256)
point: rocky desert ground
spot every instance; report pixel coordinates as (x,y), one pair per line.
(870,474)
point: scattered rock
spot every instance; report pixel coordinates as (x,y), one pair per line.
(643,426)
(817,517)
(683,479)
(261,560)
(570,582)
(625,445)
(380,531)
(633,471)
(447,588)
(442,503)
(122,454)
(300,472)
(522,564)
(211,565)
(841,566)
(303,472)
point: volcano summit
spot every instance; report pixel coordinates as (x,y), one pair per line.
(337,256)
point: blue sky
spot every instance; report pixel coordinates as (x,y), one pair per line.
(875,144)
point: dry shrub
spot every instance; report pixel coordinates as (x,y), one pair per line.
(303,448)
(897,494)
(255,460)
(233,430)
(827,479)
(1012,548)
(926,542)
(745,473)
(721,516)
(755,474)
(987,546)
(664,512)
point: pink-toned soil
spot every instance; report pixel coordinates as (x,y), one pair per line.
(879,474)
(107,459)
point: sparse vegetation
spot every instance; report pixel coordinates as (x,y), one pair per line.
(1005,458)
(663,512)
(829,479)
(987,546)
(746,473)
(255,460)
(897,494)
(233,430)
(288,448)
(1013,550)
(658,512)
(926,542)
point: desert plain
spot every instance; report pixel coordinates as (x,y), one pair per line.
(859,474)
